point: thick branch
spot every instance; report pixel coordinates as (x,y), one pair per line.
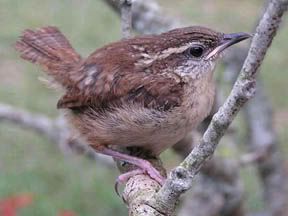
(180,179)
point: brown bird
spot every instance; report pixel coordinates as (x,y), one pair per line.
(148,91)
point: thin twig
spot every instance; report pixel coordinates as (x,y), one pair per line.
(126,18)
(147,17)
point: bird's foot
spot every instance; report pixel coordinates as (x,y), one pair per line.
(145,167)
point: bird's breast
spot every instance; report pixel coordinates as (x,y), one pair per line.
(198,101)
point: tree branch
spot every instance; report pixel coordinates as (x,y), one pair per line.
(156,26)
(180,179)
(39,123)
(126,18)
(147,17)
(54,129)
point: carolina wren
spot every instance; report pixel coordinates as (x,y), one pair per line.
(147,91)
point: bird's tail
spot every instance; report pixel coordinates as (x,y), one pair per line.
(50,49)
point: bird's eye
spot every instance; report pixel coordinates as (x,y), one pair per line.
(196,51)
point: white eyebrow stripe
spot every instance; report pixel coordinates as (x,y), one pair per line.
(173,50)
(148,59)
(170,51)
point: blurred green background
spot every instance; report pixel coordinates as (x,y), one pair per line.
(30,163)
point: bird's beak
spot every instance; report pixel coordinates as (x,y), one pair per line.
(227,41)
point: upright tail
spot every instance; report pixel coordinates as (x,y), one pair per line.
(50,49)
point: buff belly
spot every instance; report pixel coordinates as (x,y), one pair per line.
(133,125)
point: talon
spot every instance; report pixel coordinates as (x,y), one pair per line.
(116,187)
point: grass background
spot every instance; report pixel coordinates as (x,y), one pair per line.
(30,163)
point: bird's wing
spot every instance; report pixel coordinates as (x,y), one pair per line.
(104,85)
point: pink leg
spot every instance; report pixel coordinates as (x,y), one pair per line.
(141,163)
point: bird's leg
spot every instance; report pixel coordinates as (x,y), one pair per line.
(144,165)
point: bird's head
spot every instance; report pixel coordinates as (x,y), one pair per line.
(191,51)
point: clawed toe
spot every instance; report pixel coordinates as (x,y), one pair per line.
(123,178)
